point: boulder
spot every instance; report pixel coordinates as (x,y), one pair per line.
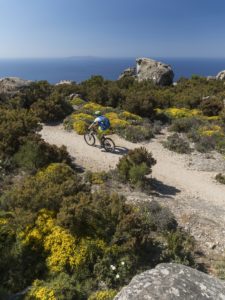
(221,75)
(158,72)
(65,82)
(149,69)
(129,72)
(173,281)
(11,85)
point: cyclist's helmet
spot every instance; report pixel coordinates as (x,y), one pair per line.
(97,113)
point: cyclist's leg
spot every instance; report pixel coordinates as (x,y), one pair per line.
(100,135)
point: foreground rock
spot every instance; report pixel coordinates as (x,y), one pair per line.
(221,75)
(11,85)
(149,69)
(173,281)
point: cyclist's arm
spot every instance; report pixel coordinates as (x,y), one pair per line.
(94,124)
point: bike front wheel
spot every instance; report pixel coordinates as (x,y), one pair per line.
(109,145)
(89,138)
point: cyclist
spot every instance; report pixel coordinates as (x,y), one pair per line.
(102,123)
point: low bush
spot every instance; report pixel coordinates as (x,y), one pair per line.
(77,101)
(220,269)
(103,295)
(137,133)
(177,113)
(177,144)
(80,127)
(35,153)
(96,177)
(211,106)
(205,144)
(220,178)
(185,124)
(134,166)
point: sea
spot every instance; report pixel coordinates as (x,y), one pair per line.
(79,69)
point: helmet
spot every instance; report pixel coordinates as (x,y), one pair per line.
(97,113)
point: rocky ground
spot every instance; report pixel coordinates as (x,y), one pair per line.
(184,183)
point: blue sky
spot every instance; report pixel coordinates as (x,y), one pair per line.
(112,28)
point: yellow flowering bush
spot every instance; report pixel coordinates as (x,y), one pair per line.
(118,123)
(3,221)
(103,295)
(211,118)
(92,107)
(81,122)
(129,116)
(80,127)
(40,292)
(211,130)
(77,101)
(112,116)
(96,177)
(64,251)
(82,116)
(176,113)
(55,171)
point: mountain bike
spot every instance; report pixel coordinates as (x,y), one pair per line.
(106,143)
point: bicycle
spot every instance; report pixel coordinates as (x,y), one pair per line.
(106,143)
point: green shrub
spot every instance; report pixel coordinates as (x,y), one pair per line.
(137,133)
(177,144)
(160,218)
(205,144)
(211,106)
(220,269)
(36,153)
(178,248)
(220,178)
(185,124)
(220,145)
(134,166)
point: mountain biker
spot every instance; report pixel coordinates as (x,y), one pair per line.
(102,123)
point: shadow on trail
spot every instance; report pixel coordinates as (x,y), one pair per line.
(118,150)
(163,190)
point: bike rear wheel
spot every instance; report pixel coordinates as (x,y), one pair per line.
(108,145)
(89,138)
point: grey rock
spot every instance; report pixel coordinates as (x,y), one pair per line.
(158,72)
(221,75)
(65,82)
(11,85)
(129,72)
(149,69)
(173,281)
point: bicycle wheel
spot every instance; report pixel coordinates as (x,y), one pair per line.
(109,145)
(89,138)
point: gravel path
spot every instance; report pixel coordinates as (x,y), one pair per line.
(190,194)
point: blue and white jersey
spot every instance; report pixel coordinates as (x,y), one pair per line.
(103,122)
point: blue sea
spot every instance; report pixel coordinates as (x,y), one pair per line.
(81,68)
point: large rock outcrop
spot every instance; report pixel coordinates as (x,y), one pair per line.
(11,85)
(221,75)
(173,281)
(149,69)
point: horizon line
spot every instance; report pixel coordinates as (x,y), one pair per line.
(113,57)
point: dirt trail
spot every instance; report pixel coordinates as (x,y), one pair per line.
(195,198)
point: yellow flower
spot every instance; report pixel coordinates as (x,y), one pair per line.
(129,116)
(103,295)
(80,127)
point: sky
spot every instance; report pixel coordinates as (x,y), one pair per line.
(112,28)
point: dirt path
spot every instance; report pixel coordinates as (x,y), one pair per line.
(195,198)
